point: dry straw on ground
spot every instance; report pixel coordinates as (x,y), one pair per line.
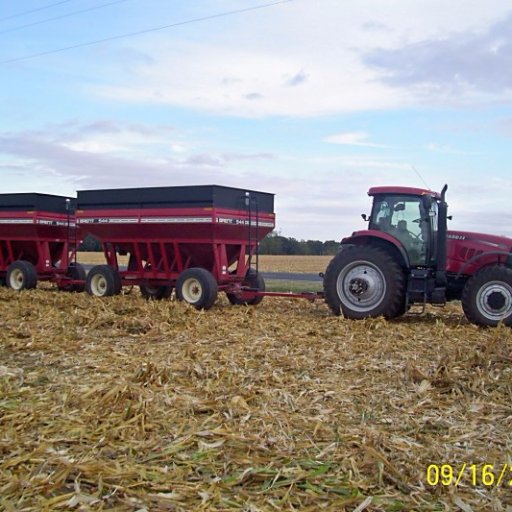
(127,405)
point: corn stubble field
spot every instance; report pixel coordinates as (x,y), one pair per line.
(123,404)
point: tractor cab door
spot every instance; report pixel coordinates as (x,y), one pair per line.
(405,218)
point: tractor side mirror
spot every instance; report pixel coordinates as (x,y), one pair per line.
(365,217)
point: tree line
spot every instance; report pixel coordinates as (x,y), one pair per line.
(273,243)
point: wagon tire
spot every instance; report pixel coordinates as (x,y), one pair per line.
(487,296)
(197,287)
(150,292)
(364,281)
(21,275)
(253,280)
(76,272)
(103,281)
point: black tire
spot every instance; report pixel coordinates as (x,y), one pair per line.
(253,280)
(364,281)
(21,275)
(487,296)
(77,272)
(198,287)
(103,281)
(155,292)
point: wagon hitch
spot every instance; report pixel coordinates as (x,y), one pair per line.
(308,295)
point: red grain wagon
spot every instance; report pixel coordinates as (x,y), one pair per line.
(197,240)
(38,241)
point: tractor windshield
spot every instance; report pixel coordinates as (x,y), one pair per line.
(403,217)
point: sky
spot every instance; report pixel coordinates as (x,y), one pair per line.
(312,100)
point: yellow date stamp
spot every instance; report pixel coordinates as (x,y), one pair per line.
(486,475)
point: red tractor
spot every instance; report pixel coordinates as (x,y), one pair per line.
(407,256)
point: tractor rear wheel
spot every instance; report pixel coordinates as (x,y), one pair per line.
(364,281)
(103,281)
(198,287)
(253,280)
(155,292)
(21,275)
(487,296)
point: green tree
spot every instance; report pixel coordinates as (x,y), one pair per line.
(275,243)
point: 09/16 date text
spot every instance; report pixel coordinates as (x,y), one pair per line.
(487,475)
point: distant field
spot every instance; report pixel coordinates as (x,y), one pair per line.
(305,264)
(96,258)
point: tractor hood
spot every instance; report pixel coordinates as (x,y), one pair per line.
(486,241)
(467,251)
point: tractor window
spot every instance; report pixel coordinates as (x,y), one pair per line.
(403,217)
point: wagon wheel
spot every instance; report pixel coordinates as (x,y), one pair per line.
(155,292)
(252,280)
(76,272)
(21,275)
(198,287)
(103,281)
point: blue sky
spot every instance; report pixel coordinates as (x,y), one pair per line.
(313,100)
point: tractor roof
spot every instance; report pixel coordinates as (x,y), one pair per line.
(412,191)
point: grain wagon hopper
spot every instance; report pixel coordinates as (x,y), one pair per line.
(38,241)
(198,240)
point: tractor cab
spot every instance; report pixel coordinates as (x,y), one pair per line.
(410,216)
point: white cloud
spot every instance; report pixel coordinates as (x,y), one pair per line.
(299,59)
(353,139)
(251,83)
(447,149)
(107,137)
(470,65)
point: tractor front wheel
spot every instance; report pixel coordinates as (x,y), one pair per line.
(198,287)
(487,296)
(364,281)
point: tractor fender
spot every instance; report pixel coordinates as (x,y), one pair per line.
(382,240)
(474,259)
